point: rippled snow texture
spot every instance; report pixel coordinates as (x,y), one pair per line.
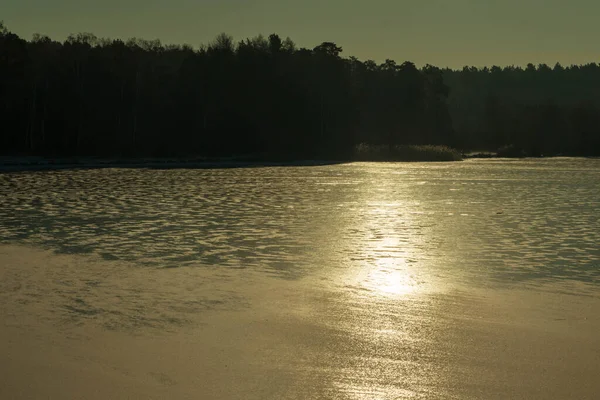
(508,220)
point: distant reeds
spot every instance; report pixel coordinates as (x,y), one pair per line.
(369,152)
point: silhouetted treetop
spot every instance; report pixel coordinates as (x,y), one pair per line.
(328,48)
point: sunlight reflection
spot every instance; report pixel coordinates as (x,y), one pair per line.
(386,283)
(391,282)
(387,272)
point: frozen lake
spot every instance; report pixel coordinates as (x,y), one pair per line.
(477,279)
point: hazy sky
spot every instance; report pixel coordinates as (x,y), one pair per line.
(444,33)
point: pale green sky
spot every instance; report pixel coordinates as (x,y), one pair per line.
(444,33)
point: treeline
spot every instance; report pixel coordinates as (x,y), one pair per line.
(537,110)
(267,98)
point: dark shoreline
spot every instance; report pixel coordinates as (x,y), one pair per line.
(47,164)
(24,164)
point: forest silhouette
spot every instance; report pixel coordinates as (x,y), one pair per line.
(265,97)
